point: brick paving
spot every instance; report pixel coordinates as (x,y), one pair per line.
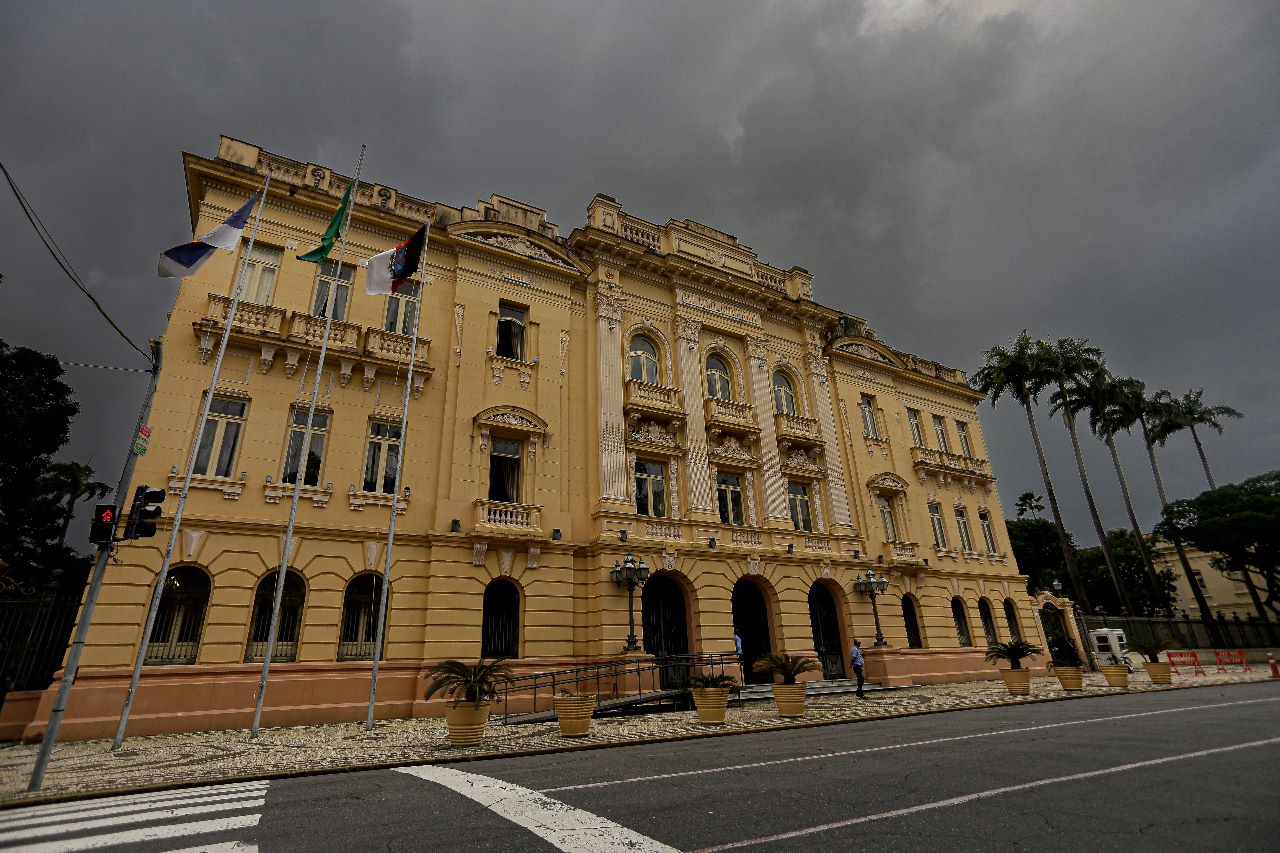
(162,761)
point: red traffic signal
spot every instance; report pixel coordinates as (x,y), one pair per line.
(103,529)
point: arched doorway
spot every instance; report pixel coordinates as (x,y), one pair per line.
(1055,625)
(751,625)
(988,622)
(824,619)
(290,625)
(359,631)
(911,621)
(666,629)
(500,620)
(175,636)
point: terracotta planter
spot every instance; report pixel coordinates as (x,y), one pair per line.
(1158,672)
(573,713)
(1017,680)
(1117,675)
(790,699)
(466,722)
(1070,677)
(711,703)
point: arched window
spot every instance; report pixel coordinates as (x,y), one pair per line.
(911,620)
(718,379)
(1011,619)
(500,622)
(644,360)
(295,594)
(175,636)
(784,395)
(988,621)
(359,631)
(961,619)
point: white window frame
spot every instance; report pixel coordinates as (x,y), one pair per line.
(727,491)
(262,270)
(378,452)
(649,369)
(801,505)
(867,406)
(988,531)
(645,482)
(962,525)
(494,441)
(719,380)
(917,432)
(784,394)
(402,307)
(888,518)
(216,429)
(939,527)
(940,433)
(966,446)
(331,277)
(293,445)
(516,318)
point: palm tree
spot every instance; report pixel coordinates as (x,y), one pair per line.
(73,482)
(1158,420)
(1191,412)
(1114,406)
(1029,502)
(1077,365)
(1022,371)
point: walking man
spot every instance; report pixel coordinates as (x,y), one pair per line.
(856,659)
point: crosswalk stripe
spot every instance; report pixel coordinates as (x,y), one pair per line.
(223,847)
(151,798)
(117,820)
(149,833)
(105,810)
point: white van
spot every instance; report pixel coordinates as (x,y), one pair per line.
(1108,643)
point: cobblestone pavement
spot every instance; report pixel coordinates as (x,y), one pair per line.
(167,760)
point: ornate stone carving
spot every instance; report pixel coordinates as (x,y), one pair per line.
(688,330)
(564,351)
(535,553)
(518,245)
(268,356)
(291,357)
(525,378)
(345,366)
(732,448)
(800,459)
(458,311)
(478,552)
(505,558)
(888,480)
(609,308)
(370,373)
(865,351)
(753,565)
(758,351)
(669,561)
(653,432)
(497,374)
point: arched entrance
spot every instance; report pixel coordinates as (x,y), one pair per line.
(751,625)
(500,620)
(1055,625)
(824,619)
(666,629)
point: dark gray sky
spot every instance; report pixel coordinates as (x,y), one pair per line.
(952,172)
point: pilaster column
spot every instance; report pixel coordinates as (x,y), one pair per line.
(775,490)
(613,444)
(820,383)
(701,498)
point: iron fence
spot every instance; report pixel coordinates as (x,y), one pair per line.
(1187,633)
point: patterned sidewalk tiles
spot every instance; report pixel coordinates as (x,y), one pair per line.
(166,761)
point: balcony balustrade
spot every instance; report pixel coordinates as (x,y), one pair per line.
(652,399)
(343,337)
(797,429)
(498,517)
(730,415)
(393,347)
(260,319)
(928,460)
(902,552)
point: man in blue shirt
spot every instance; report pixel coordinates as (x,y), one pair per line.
(856,659)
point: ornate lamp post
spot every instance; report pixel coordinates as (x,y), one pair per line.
(872,586)
(631,573)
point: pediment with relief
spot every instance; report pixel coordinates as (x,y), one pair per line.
(519,244)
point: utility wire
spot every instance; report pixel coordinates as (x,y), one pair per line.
(61,259)
(103,366)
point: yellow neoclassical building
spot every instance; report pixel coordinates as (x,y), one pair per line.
(627,388)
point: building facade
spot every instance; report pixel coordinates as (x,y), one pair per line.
(629,387)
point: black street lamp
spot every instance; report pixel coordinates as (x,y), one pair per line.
(631,573)
(872,586)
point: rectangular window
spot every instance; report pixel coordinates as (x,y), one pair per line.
(729,498)
(337,281)
(939,529)
(1195,573)
(651,489)
(868,407)
(402,309)
(917,433)
(220,438)
(962,430)
(887,519)
(315,455)
(504,471)
(382,458)
(962,525)
(940,432)
(260,273)
(988,532)
(798,497)
(511,323)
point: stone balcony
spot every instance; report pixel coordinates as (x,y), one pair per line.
(943,466)
(508,520)
(656,400)
(730,416)
(260,319)
(795,429)
(902,553)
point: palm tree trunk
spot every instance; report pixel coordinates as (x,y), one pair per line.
(1137,528)
(66,519)
(1258,605)
(1107,556)
(1206,615)
(1204,460)
(1068,553)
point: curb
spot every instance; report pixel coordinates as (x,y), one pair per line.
(74,796)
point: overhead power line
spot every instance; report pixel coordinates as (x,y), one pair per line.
(103,366)
(49,243)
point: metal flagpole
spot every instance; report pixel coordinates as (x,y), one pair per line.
(395,492)
(303,454)
(91,597)
(158,592)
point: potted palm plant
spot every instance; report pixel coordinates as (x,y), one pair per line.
(1065,660)
(470,687)
(1016,679)
(1115,672)
(573,712)
(789,695)
(711,696)
(1157,670)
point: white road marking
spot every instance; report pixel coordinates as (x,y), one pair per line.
(117,820)
(104,810)
(23,812)
(887,747)
(559,824)
(150,833)
(982,795)
(225,847)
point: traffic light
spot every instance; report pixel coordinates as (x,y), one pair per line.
(103,529)
(143,513)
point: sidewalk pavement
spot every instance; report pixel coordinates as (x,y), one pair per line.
(87,768)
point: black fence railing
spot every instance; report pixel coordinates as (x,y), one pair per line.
(34,632)
(1234,631)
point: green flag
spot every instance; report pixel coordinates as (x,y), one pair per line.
(319,254)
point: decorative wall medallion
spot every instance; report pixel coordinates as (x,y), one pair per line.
(478,552)
(505,558)
(535,553)
(753,565)
(497,374)
(669,561)
(525,379)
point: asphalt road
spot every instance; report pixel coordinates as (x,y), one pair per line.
(1180,770)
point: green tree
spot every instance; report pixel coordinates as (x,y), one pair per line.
(1147,597)
(73,482)
(1035,546)
(1023,371)
(1241,524)
(1029,503)
(1190,412)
